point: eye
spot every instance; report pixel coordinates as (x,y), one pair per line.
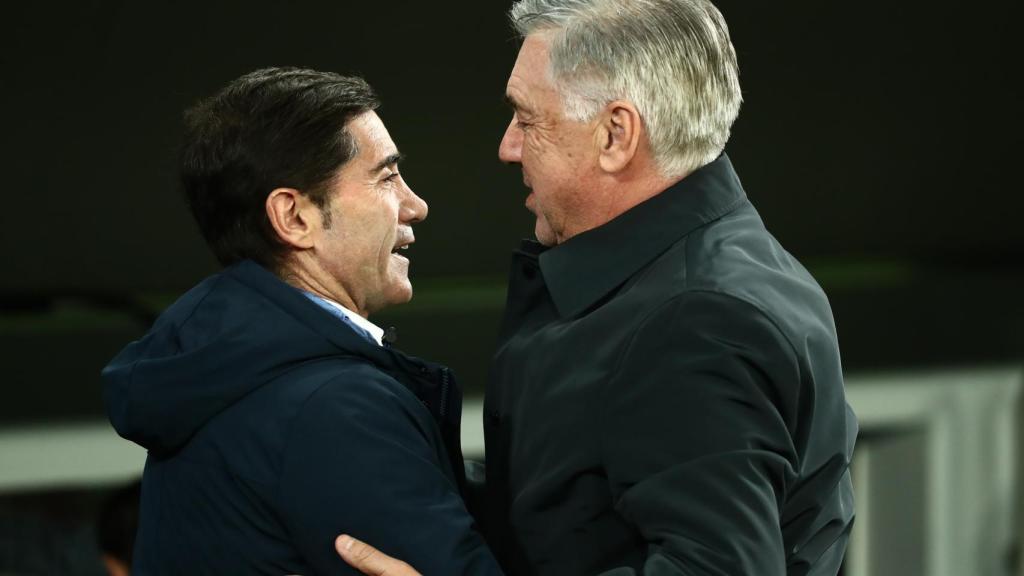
(520,123)
(392,177)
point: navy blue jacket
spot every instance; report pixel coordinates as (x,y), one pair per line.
(272,427)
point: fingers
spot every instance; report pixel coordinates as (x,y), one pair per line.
(369,560)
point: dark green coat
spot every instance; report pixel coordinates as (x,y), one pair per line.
(667,398)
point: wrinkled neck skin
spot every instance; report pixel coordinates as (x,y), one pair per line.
(612,194)
(304,272)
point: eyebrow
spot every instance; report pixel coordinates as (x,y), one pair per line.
(512,103)
(392,159)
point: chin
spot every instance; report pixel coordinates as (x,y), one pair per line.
(394,294)
(544,234)
(400,293)
(405,297)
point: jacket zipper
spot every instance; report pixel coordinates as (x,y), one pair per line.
(444,392)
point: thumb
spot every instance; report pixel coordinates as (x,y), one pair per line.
(369,560)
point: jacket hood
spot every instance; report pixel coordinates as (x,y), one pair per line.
(231,334)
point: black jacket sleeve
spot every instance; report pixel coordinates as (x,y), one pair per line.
(698,448)
(363,458)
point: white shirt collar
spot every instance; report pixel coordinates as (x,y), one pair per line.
(376,331)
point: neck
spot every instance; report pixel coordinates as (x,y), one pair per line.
(622,191)
(631,192)
(300,272)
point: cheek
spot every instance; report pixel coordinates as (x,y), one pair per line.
(361,239)
(542,159)
(540,143)
(384,231)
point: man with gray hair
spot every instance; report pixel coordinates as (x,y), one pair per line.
(667,396)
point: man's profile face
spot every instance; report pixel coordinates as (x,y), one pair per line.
(372,211)
(557,155)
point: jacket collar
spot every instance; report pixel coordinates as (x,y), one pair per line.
(293,302)
(585,268)
(432,383)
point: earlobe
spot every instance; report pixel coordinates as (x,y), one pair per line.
(621,129)
(288,213)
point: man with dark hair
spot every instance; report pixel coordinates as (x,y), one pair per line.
(274,414)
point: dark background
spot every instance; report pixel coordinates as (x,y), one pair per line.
(880,141)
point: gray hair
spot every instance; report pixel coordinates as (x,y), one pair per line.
(673,59)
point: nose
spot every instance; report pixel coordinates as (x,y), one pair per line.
(414,209)
(510,151)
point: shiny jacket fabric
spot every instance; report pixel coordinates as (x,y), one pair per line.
(667,398)
(272,427)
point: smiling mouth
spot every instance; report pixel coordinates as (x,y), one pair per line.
(401,247)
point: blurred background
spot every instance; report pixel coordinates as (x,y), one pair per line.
(879,141)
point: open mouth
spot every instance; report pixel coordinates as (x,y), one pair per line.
(401,247)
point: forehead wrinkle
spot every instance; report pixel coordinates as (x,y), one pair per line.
(518,105)
(532,77)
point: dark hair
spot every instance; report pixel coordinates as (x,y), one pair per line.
(118,521)
(272,128)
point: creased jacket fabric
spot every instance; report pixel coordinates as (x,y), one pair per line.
(667,398)
(272,427)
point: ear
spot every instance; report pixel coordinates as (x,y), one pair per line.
(293,217)
(619,134)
